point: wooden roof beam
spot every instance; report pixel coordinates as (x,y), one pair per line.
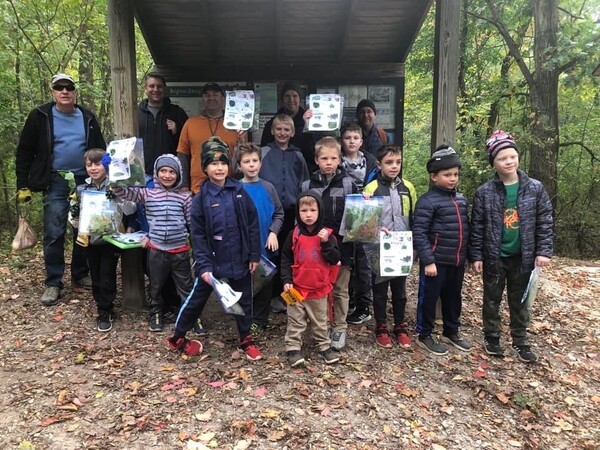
(346,34)
(207,25)
(277,21)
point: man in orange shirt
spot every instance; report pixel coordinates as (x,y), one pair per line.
(198,129)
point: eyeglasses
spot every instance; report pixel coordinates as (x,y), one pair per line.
(60,87)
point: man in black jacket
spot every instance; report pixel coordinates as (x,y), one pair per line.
(54,138)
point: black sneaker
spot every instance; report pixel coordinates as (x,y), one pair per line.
(457,341)
(256,329)
(169,316)
(493,347)
(199,329)
(295,358)
(432,346)
(278,305)
(104,322)
(329,356)
(156,322)
(525,354)
(359,316)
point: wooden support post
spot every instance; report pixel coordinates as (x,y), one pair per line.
(124,84)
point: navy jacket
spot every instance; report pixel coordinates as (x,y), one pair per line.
(441,227)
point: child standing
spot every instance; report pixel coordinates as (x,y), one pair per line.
(362,168)
(226,244)
(332,184)
(306,264)
(440,237)
(270,219)
(102,257)
(397,215)
(511,233)
(168,214)
(283,166)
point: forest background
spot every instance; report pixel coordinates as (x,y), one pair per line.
(525,66)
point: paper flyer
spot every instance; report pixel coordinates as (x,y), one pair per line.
(327,109)
(239,110)
(396,253)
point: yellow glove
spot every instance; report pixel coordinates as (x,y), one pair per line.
(23,195)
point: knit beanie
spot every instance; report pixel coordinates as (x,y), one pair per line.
(214,149)
(443,158)
(291,86)
(365,102)
(168,160)
(499,140)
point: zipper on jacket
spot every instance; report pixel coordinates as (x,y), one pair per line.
(460,230)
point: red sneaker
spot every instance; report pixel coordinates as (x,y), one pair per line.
(250,349)
(382,336)
(186,346)
(402,336)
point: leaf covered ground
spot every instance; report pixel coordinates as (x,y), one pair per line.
(64,386)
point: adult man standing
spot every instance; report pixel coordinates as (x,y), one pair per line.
(159,121)
(290,101)
(373,137)
(196,132)
(54,139)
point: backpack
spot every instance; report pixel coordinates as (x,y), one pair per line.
(382,135)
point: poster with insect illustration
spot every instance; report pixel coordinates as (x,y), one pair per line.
(327,112)
(239,110)
(395,253)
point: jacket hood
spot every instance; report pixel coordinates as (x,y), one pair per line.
(144,104)
(170,161)
(319,223)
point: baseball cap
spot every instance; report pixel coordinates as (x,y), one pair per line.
(61,76)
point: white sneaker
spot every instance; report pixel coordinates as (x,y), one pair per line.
(338,340)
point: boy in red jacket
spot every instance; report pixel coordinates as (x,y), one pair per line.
(308,264)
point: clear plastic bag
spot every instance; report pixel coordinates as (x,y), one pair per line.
(98,215)
(263,274)
(126,167)
(361,219)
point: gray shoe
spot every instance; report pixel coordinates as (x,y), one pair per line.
(432,346)
(50,296)
(338,340)
(278,305)
(85,282)
(456,340)
(329,356)
(295,358)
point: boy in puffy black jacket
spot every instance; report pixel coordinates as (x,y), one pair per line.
(441,236)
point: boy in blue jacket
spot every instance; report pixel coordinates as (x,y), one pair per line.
(226,244)
(440,237)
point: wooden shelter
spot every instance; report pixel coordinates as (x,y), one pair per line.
(320,43)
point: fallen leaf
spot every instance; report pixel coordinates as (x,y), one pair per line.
(193,445)
(80,358)
(596,398)
(514,443)
(207,437)
(26,445)
(47,421)
(479,373)
(69,407)
(172,385)
(270,413)
(205,416)
(242,445)
(99,394)
(437,447)
(217,384)
(502,397)
(276,435)
(387,429)
(259,392)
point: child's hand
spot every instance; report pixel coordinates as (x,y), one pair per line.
(367,196)
(252,266)
(145,241)
(385,230)
(431,270)
(307,115)
(206,277)
(287,287)
(323,235)
(272,242)
(477,266)
(541,261)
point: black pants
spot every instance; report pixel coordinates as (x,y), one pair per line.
(194,304)
(262,304)
(103,260)
(289,221)
(161,266)
(360,280)
(380,297)
(447,286)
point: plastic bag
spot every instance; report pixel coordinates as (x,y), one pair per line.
(361,219)
(126,167)
(228,297)
(532,287)
(263,274)
(98,215)
(25,236)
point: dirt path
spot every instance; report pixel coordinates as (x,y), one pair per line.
(65,386)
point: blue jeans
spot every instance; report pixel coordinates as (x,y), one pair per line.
(56,210)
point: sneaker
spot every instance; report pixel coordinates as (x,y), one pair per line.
(329,356)
(156,322)
(104,322)
(85,282)
(358,316)
(432,346)
(256,329)
(456,340)
(186,346)
(382,336)
(493,347)
(169,316)
(250,349)
(351,309)
(278,305)
(338,340)
(199,328)
(525,354)
(402,336)
(50,296)
(295,358)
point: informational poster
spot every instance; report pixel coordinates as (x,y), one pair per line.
(326,109)
(353,94)
(396,253)
(188,95)
(239,110)
(268,97)
(384,99)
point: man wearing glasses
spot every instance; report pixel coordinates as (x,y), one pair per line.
(54,139)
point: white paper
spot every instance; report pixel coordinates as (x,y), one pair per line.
(119,168)
(226,294)
(395,253)
(239,110)
(326,109)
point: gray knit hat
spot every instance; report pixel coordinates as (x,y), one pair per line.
(443,158)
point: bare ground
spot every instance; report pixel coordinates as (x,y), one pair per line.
(63,385)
